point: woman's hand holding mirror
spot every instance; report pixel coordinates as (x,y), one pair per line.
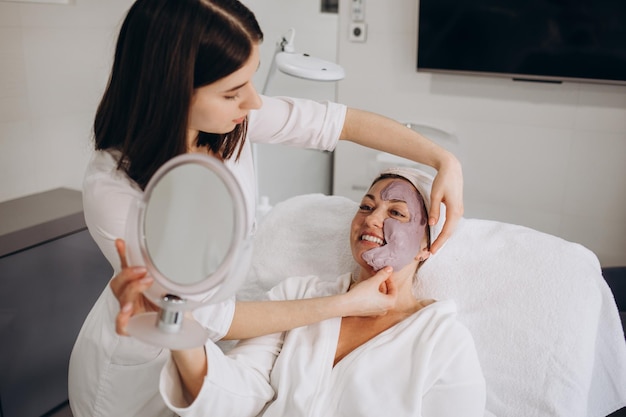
(128,287)
(190,230)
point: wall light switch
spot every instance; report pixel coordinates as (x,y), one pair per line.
(358,10)
(358,32)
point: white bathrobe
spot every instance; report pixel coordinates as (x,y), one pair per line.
(425,365)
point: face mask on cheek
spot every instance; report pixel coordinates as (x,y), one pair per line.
(403,239)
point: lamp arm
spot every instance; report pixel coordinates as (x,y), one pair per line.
(272,71)
(285,44)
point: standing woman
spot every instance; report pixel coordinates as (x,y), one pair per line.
(182,82)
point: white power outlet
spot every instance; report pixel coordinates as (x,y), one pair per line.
(358,32)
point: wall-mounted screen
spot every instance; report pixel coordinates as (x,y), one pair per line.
(550,40)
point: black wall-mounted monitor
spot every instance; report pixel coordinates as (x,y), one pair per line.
(544,40)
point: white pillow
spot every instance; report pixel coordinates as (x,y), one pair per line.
(305,235)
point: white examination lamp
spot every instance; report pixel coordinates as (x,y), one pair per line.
(296,65)
(300,65)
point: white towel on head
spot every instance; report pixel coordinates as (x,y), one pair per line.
(423,182)
(544,321)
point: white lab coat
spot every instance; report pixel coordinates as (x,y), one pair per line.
(111,375)
(425,365)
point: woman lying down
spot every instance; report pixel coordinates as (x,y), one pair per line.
(415,360)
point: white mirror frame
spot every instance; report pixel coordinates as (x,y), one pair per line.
(169,328)
(207,288)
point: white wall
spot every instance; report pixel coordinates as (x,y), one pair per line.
(547,156)
(54,63)
(283,171)
(551,157)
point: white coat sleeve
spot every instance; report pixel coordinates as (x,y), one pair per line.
(297,122)
(107,198)
(459,387)
(237,383)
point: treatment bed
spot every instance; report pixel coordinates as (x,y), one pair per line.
(545,322)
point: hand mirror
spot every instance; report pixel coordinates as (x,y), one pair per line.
(190,232)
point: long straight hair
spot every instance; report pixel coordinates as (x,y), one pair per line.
(165,50)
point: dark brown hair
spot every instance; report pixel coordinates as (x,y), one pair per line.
(165,50)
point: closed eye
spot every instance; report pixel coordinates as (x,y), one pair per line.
(232,97)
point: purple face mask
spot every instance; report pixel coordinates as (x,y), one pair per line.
(403,240)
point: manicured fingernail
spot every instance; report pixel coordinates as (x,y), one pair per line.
(127,307)
(139,270)
(432,221)
(146,280)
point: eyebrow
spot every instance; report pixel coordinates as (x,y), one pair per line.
(395,200)
(235,88)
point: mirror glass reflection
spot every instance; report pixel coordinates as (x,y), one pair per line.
(189,224)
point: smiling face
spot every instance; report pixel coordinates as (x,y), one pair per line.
(389,227)
(218,107)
